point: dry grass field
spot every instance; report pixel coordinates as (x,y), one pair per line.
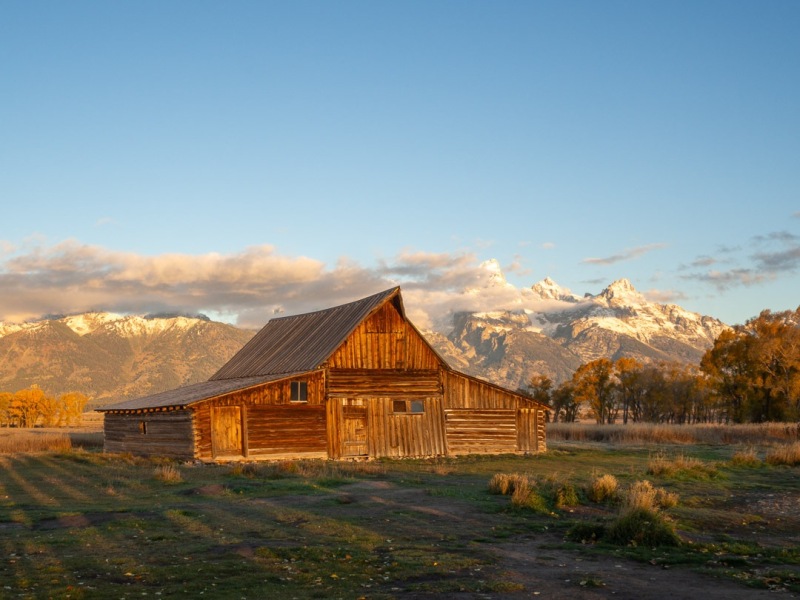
(591,518)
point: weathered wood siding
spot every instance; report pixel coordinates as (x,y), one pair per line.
(163,433)
(531,430)
(394,383)
(273,426)
(482,418)
(406,434)
(384,341)
(286,430)
(369,427)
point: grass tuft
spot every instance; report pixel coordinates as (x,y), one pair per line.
(168,474)
(604,488)
(506,483)
(788,454)
(746,458)
(660,465)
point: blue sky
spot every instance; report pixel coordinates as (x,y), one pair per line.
(245,158)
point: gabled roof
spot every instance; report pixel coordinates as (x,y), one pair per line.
(303,342)
(189,394)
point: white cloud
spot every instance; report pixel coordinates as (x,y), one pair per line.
(627,254)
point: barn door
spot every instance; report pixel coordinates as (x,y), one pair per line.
(226,431)
(354,427)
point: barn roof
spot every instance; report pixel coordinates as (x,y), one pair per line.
(284,347)
(189,394)
(302,342)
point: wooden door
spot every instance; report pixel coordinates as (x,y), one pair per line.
(354,427)
(226,431)
(527,430)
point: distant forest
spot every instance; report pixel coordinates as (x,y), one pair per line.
(750,375)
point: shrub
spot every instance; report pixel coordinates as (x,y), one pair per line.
(605,487)
(785,455)
(584,532)
(641,526)
(640,522)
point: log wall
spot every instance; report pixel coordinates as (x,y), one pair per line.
(163,433)
(482,418)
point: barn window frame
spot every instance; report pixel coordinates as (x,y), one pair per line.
(408,407)
(143,427)
(298,391)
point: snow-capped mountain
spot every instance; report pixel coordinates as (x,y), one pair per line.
(556,331)
(491,329)
(110,357)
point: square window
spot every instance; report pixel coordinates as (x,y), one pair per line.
(299,391)
(399,406)
(417,406)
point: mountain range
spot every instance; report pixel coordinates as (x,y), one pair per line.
(112,357)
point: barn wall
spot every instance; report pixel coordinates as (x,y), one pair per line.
(272,425)
(369,427)
(150,433)
(385,340)
(392,383)
(481,418)
(405,434)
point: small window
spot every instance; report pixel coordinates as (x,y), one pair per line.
(143,427)
(414,407)
(299,391)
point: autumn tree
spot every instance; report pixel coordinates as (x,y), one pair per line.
(5,406)
(593,384)
(755,368)
(564,404)
(628,385)
(72,406)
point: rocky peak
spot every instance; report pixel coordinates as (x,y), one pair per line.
(547,289)
(621,292)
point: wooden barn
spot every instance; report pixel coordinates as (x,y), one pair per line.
(353,381)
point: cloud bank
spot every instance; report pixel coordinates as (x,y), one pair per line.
(770,256)
(246,288)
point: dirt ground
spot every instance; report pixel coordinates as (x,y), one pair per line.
(534,562)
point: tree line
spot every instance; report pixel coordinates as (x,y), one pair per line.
(751,374)
(32,407)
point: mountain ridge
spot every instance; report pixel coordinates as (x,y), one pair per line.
(112,357)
